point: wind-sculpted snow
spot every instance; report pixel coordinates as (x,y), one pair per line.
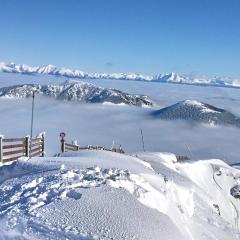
(235,191)
(192,110)
(163,77)
(104,195)
(63,202)
(77,91)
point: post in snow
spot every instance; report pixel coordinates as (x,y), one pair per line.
(62,140)
(1,149)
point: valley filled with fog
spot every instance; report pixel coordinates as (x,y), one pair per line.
(103,124)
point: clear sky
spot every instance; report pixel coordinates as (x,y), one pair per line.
(146,36)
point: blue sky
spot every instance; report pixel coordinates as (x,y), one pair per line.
(147,36)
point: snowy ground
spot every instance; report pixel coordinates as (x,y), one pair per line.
(103,195)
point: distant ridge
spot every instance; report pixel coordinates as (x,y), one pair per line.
(77,91)
(163,78)
(195,111)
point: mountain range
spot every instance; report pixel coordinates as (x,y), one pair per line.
(77,91)
(163,77)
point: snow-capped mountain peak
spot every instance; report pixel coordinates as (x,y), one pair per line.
(203,107)
(77,91)
(163,77)
(196,111)
(47,69)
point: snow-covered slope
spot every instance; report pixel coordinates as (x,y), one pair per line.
(77,91)
(197,111)
(166,77)
(104,195)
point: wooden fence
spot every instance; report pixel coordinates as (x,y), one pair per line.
(74,147)
(13,148)
(182,158)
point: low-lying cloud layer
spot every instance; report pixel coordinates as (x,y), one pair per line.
(102,124)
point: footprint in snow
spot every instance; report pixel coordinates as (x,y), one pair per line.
(73,194)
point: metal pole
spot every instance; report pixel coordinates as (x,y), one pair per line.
(143,146)
(33,100)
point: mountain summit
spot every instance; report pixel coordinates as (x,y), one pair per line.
(196,111)
(163,77)
(77,91)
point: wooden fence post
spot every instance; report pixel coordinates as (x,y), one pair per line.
(27,146)
(1,150)
(43,144)
(62,145)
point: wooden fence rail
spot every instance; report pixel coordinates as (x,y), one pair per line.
(13,148)
(74,147)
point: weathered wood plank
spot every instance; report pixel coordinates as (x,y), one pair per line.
(13,139)
(13,152)
(36,140)
(71,145)
(71,148)
(36,144)
(11,159)
(1,150)
(83,148)
(13,146)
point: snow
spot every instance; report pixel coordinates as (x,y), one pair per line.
(163,77)
(200,105)
(77,91)
(197,112)
(109,103)
(103,195)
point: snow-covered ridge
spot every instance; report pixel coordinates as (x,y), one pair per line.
(66,72)
(163,77)
(77,91)
(198,112)
(186,79)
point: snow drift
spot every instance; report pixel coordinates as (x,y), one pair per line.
(77,91)
(196,111)
(104,195)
